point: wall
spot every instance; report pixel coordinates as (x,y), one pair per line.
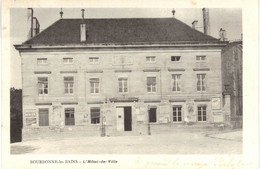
(108,72)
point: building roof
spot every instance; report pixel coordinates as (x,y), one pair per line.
(120,31)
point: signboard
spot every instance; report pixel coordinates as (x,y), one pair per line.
(216,103)
(30,113)
(30,121)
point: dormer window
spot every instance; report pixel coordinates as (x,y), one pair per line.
(175,58)
(83,33)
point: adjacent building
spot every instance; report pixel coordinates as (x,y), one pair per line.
(118,76)
(232,66)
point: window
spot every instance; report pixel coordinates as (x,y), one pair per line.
(151,84)
(93,60)
(175,58)
(69,85)
(95,115)
(44,117)
(123,60)
(67,60)
(94,85)
(69,116)
(152,114)
(201,82)
(176,83)
(150,59)
(177,114)
(122,85)
(43,85)
(202,115)
(200,58)
(41,61)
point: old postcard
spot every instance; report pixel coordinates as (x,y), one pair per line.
(129,84)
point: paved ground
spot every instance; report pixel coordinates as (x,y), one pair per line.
(178,142)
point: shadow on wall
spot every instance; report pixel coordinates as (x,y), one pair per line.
(16,121)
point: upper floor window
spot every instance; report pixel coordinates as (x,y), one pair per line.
(201,82)
(93,60)
(202,113)
(94,85)
(151,84)
(176,79)
(43,85)
(41,61)
(69,85)
(150,59)
(200,58)
(123,60)
(67,60)
(175,58)
(122,85)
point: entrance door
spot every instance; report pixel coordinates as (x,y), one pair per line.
(128,118)
(120,118)
(43,117)
(69,117)
(152,115)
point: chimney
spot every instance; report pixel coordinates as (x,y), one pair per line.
(83,31)
(173,13)
(36,26)
(206,26)
(194,24)
(30,22)
(222,35)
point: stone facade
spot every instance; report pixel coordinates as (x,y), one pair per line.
(108,70)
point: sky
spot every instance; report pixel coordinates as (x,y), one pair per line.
(230,19)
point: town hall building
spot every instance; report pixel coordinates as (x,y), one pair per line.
(118,76)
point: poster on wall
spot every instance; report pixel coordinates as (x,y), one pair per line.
(30,121)
(215,103)
(30,113)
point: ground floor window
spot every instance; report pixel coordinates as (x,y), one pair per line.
(69,116)
(95,115)
(177,114)
(152,114)
(202,114)
(44,117)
